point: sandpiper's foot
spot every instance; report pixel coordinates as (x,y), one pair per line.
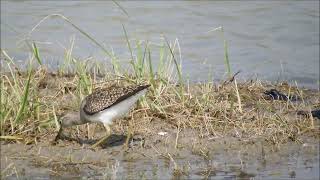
(99,142)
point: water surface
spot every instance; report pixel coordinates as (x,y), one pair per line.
(276,40)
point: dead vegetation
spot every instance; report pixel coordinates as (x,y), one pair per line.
(213,110)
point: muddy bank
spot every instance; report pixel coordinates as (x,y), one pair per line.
(165,154)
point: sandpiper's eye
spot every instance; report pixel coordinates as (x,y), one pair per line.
(60,119)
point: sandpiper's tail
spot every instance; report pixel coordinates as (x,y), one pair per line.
(142,87)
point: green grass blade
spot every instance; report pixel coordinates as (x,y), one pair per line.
(161,59)
(175,62)
(178,70)
(132,62)
(140,56)
(151,73)
(24,98)
(226,58)
(142,63)
(1,100)
(76,27)
(121,8)
(128,42)
(36,53)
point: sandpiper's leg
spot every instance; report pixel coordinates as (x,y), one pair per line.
(126,144)
(108,133)
(129,136)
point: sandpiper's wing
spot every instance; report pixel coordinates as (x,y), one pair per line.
(104,98)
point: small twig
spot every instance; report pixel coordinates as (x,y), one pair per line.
(238,96)
(231,79)
(177,136)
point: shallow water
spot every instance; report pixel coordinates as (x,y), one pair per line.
(269,40)
(231,160)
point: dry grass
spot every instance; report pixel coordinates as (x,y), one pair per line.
(213,110)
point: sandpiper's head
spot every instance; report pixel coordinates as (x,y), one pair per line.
(70,119)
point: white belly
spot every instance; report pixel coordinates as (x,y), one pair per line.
(116,111)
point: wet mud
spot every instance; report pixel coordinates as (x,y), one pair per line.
(165,154)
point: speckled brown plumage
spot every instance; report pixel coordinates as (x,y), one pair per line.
(104,98)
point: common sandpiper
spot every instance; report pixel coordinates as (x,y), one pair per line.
(103,106)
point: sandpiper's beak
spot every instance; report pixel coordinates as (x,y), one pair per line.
(59,135)
(59,125)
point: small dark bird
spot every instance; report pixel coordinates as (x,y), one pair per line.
(277,95)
